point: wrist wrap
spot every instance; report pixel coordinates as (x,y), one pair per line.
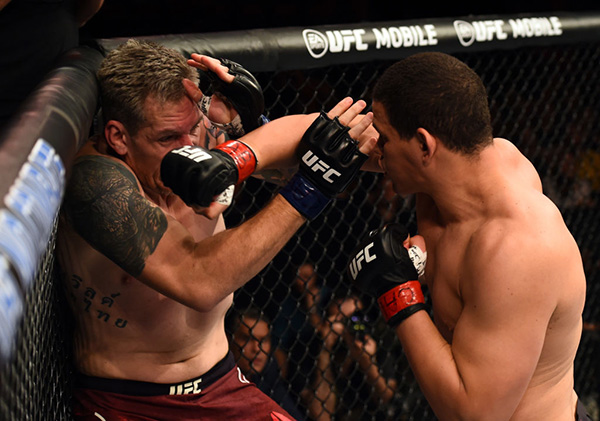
(304,196)
(242,155)
(401,301)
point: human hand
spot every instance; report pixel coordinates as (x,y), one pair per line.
(330,157)
(218,206)
(199,175)
(373,163)
(331,331)
(217,111)
(233,90)
(360,347)
(381,265)
(369,132)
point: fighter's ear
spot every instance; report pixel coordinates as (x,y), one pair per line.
(428,144)
(116,136)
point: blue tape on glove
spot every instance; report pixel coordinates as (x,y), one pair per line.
(305,197)
(263,120)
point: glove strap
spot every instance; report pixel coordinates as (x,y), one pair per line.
(305,197)
(401,301)
(243,156)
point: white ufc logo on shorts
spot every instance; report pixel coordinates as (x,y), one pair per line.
(192,387)
(356,263)
(316,165)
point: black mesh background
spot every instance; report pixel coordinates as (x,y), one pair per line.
(36,384)
(546,100)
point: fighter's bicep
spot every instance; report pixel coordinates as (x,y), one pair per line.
(104,205)
(500,333)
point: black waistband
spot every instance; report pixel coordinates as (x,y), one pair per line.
(137,388)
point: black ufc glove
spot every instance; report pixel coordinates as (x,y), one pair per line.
(244,93)
(329,160)
(197,174)
(381,266)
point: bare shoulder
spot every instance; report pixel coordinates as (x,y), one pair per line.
(532,252)
(96,173)
(105,206)
(520,165)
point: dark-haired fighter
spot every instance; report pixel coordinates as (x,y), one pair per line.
(504,273)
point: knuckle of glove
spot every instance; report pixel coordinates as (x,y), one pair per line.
(404,270)
(381,261)
(206,82)
(203,193)
(248,101)
(227,63)
(394,236)
(329,156)
(179,177)
(244,93)
(196,175)
(368,261)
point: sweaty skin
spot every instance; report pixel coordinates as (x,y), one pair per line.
(149,279)
(505,277)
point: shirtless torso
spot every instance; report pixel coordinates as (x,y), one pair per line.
(116,335)
(507,287)
(504,273)
(165,325)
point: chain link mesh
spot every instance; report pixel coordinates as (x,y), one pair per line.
(36,384)
(545,100)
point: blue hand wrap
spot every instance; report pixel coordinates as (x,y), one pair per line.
(263,120)
(305,197)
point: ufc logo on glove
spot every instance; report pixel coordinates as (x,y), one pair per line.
(315,164)
(195,154)
(356,263)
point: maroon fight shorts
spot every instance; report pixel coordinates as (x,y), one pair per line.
(223,393)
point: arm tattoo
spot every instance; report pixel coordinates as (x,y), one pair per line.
(104,205)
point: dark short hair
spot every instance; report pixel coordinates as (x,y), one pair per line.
(439,93)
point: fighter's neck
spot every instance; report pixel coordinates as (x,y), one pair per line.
(465,189)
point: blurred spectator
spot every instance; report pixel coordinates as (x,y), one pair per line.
(329,353)
(294,326)
(251,346)
(33,35)
(365,383)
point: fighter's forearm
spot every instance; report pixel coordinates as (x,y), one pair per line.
(275,143)
(201,274)
(456,387)
(431,360)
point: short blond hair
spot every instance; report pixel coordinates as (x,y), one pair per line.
(136,70)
